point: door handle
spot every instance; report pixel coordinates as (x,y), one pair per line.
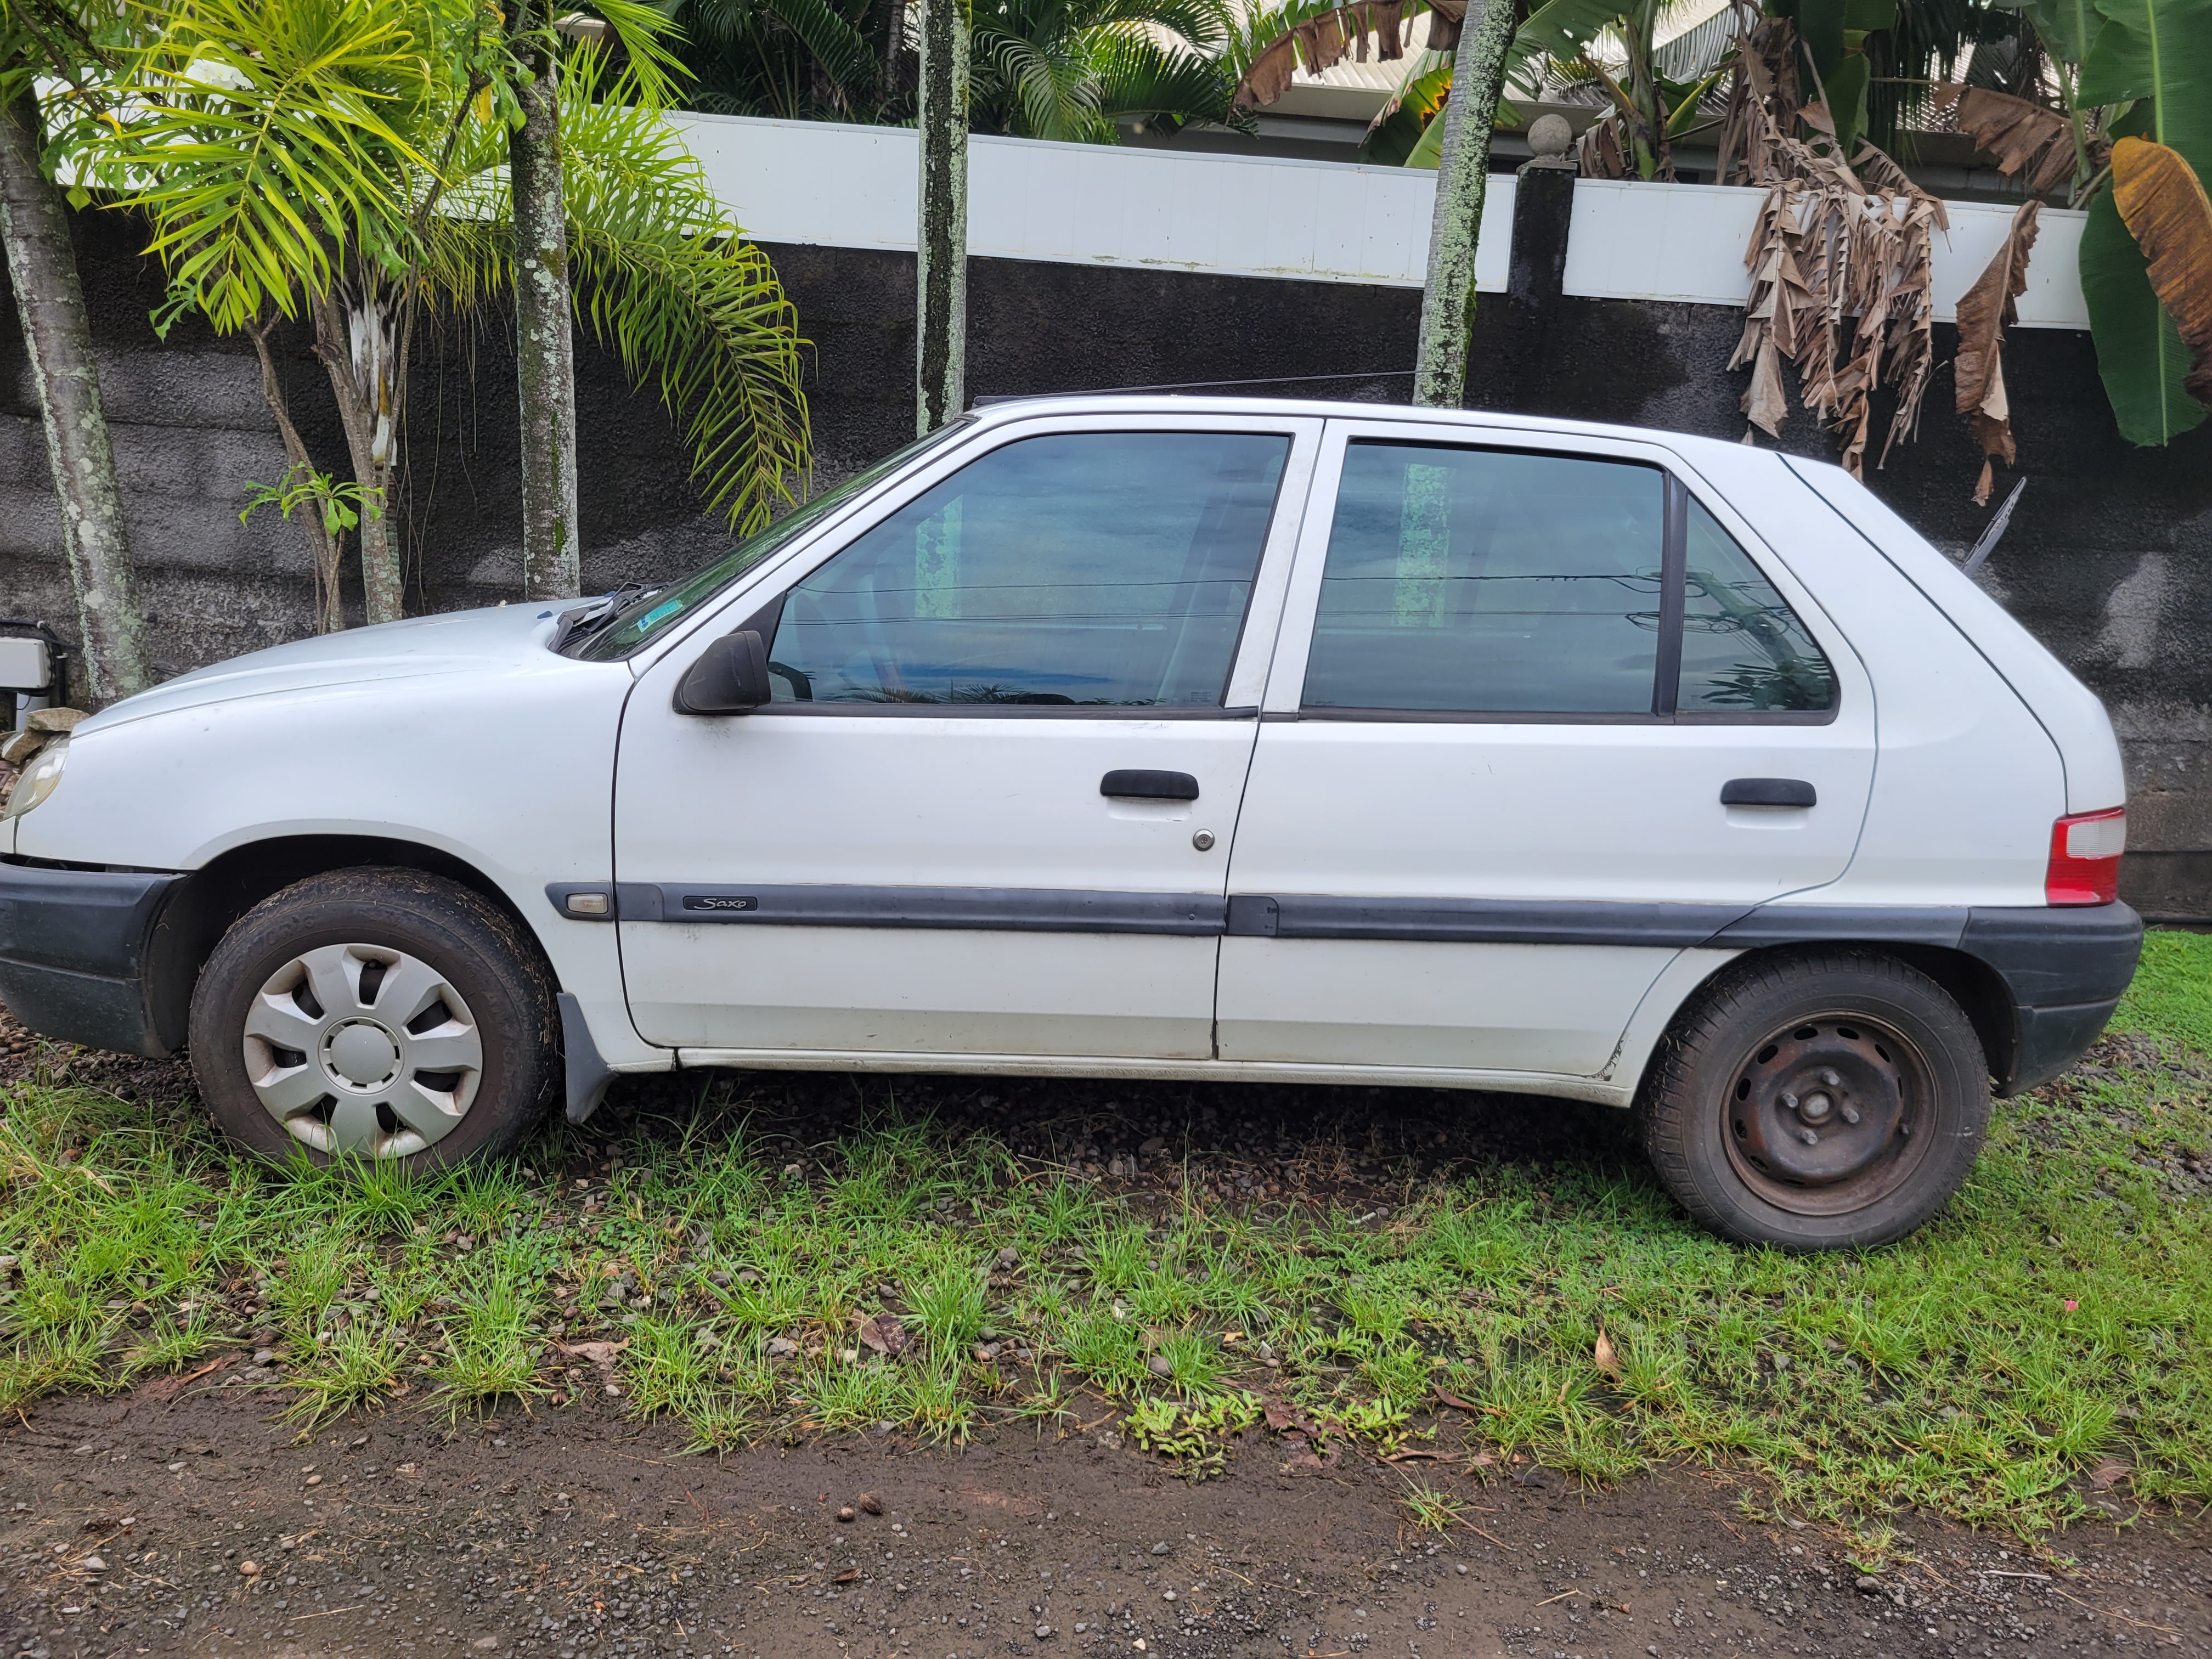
(1768,792)
(1131,784)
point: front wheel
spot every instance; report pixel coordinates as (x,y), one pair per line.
(1830,1100)
(382,1014)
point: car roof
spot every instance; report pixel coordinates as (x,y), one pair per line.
(1726,453)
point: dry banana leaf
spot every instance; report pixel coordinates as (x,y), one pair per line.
(2028,140)
(2163,204)
(1840,259)
(1323,41)
(1985,311)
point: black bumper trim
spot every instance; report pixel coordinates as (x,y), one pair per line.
(74,949)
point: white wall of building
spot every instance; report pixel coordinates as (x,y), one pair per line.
(1233,215)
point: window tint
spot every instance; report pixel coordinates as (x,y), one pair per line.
(1742,645)
(1105,568)
(1487,581)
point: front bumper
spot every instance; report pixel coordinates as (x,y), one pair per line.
(78,952)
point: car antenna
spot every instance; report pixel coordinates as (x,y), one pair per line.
(1987,545)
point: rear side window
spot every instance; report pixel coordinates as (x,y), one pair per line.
(1490,581)
(1743,647)
(1098,570)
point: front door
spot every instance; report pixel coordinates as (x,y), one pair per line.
(990,808)
(1520,685)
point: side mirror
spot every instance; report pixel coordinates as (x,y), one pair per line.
(731,677)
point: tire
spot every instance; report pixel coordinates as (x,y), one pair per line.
(1744,1109)
(384,1014)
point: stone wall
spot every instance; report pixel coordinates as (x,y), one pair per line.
(2109,559)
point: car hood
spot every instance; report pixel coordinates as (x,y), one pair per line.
(453,643)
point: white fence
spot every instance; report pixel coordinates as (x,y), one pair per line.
(841,186)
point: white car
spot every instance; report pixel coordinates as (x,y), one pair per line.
(1145,738)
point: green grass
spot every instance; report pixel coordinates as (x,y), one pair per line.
(2058,1319)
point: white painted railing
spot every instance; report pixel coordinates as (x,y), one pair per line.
(1236,215)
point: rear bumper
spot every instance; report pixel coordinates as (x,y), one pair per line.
(2064,969)
(78,952)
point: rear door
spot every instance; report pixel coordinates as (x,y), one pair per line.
(990,811)
(1521,683)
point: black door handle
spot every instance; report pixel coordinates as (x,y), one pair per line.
(1132,785)
(1768,792)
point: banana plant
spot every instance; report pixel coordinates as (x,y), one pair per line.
(2133,75)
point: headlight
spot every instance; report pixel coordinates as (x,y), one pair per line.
(39,779)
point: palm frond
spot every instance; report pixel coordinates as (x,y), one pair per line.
(1138,77)
(663,276)
(1048,83)
(263,165)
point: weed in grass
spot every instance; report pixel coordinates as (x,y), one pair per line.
(1433,1511)
(357,1366)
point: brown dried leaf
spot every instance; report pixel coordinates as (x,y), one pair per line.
(1985,311)
(2028,139)
(1606,1359)
(2109,1473)
(885,1334)
(601,1354)
(2163,204)
(1323,42)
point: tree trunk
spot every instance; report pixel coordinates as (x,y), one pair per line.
(1463,171)
(359,339)
(544,343)
(941,238)
(57,337)
(329,549)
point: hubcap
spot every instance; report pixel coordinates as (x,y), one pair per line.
(1824,1116)
(363,1049)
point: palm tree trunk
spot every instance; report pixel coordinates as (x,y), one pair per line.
(357,337)
(57,336)
(1462,173)
(544,346)
(941,238)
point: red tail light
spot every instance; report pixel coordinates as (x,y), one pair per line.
(2085,858)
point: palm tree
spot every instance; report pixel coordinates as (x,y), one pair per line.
(56,41)
(1074,70)
(1068,69)
(344,161)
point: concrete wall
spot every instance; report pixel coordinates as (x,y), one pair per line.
(2107,560)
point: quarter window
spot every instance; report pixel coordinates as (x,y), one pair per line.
(1490,581)
(1093,569)
(1743,647)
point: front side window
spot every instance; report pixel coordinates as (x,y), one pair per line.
(1489,581)
(1743,647)
(1106,570)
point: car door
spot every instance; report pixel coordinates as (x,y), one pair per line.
(988,811)
(1538,717)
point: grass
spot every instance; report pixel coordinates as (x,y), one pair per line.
(2057,1321)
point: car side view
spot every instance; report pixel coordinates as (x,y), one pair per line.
(1150,738)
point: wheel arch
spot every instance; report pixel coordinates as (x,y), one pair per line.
(1979,989)
(202,905)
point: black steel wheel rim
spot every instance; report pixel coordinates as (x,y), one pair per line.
(1828,1114)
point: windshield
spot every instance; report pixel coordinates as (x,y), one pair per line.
(645,615)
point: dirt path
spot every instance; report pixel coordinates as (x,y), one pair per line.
(584,1536)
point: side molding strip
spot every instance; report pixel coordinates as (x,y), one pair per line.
(1008,909)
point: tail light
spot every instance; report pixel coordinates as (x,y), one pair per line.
(2085,858)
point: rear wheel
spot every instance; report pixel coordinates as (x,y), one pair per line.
(1828,1101)
(383,1014)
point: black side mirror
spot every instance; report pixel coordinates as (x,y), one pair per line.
(730,678)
